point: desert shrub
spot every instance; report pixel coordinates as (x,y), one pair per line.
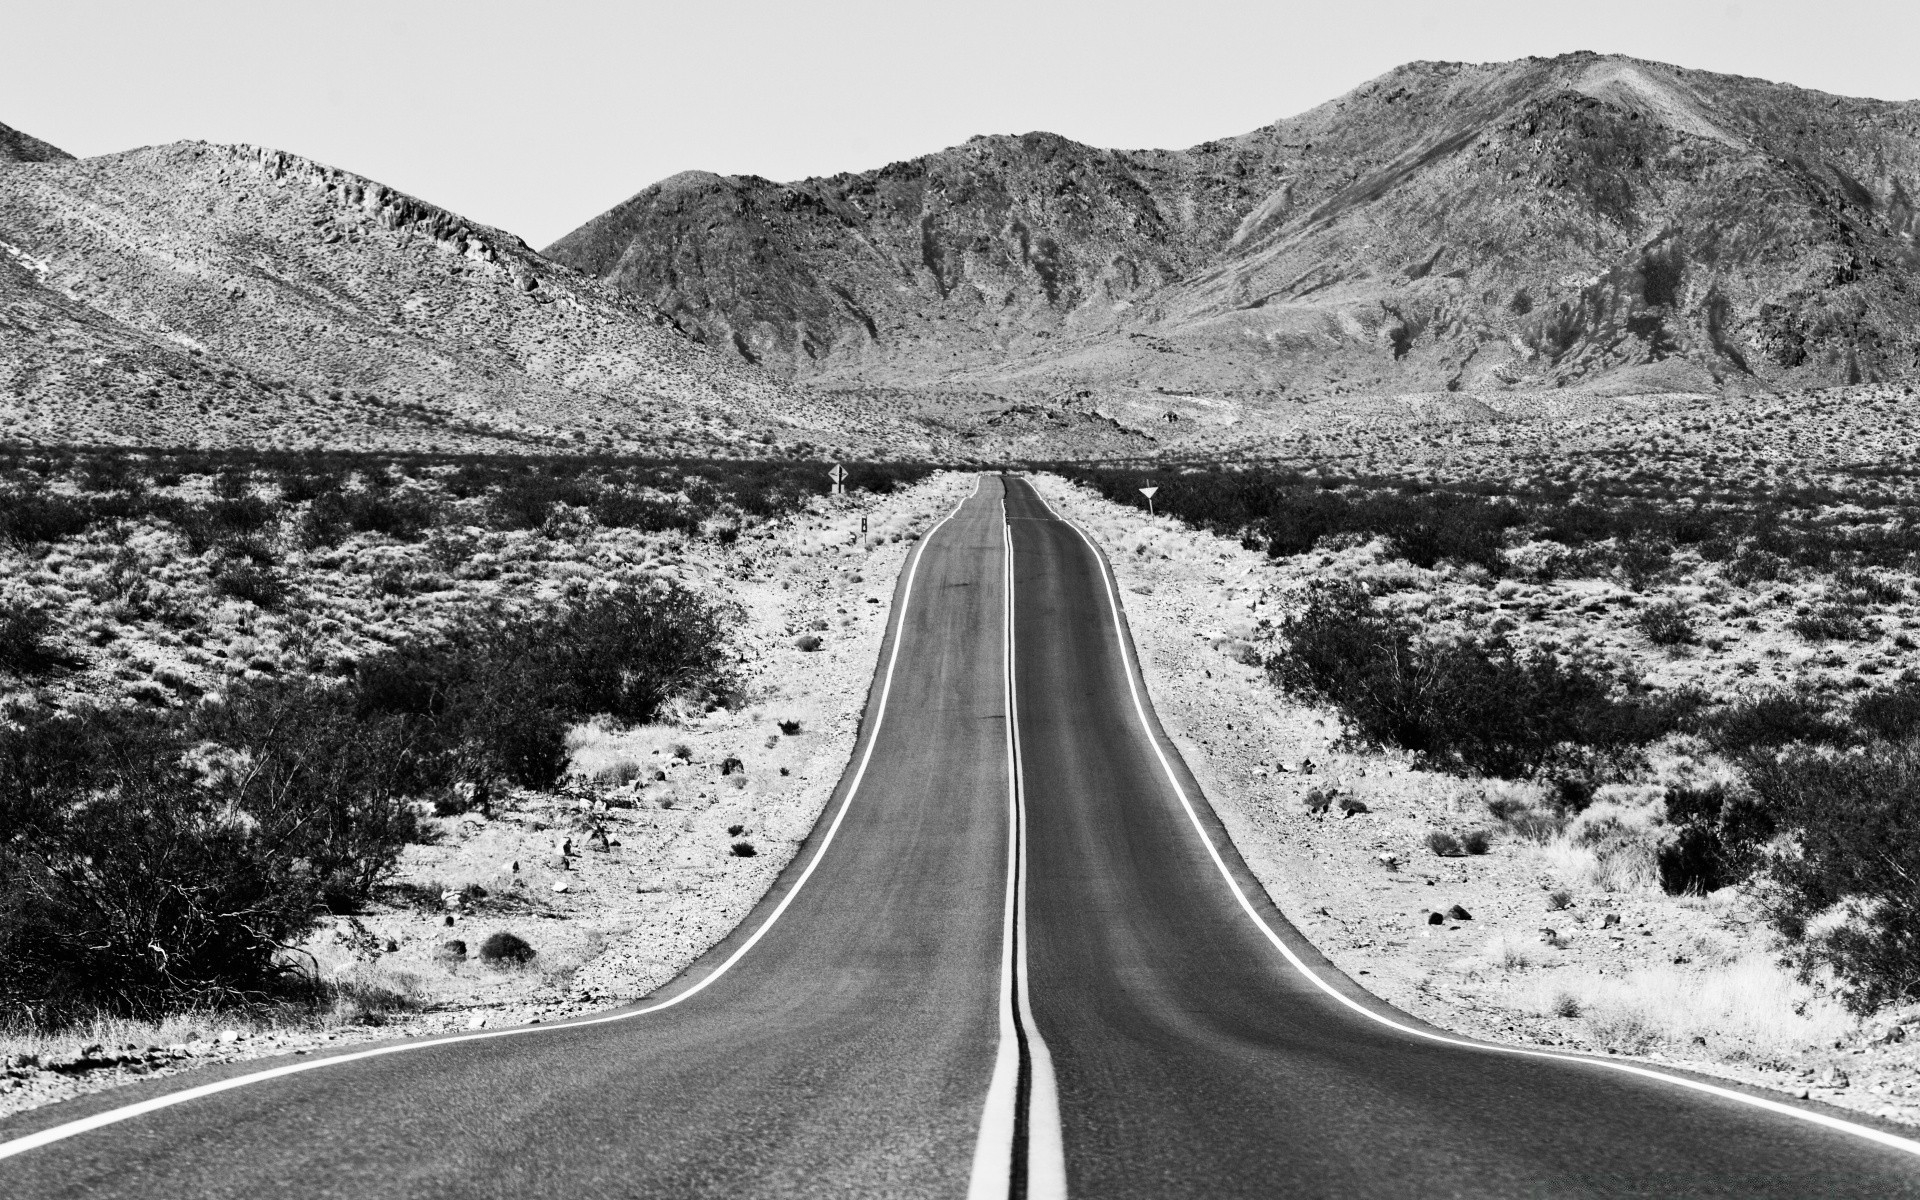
(221,522)
(245,580)
(1718,835)
(340,780)
(1475,841)
(1668,623)
(403,515)
(25,643)
(497,694)
(35,515)
(127,884)
(1464,706)
(1771,720)
(1835,623)
(1889,714)
(504,947)
(1842,889)
(1444,844)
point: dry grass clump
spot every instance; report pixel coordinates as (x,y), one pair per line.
(1744,1010)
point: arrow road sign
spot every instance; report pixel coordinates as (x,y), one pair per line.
(838,475)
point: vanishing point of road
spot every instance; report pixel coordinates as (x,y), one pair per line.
(1018,956)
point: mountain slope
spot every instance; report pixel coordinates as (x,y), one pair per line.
(1588,220)
(238,295)
(20,147)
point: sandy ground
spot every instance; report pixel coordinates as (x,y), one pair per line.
(1549,952)
(662,842)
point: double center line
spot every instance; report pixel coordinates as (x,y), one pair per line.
(1020,1154)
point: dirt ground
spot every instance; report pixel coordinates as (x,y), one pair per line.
(663,840)
(1528,942)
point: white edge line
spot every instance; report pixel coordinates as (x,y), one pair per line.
(992,1175)
(1892,1141)
(34,1141)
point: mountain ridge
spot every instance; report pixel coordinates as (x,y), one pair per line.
(1586,220)
(205,294)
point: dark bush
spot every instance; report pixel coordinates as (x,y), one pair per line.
(1463,706)
(498,694)
(1852,821)
(1891,714)
(504,947)
(403,515)
(1832,624)
(244,580)
(128,881)
(339,780)
(25,644)
(1668,623)
(1770,721)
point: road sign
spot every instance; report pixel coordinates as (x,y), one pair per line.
(1148,493)
(838,475)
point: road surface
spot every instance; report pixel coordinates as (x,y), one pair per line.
(1017,957)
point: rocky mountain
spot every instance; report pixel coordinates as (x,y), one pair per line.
(1589,221)
(19,147)
(232,295)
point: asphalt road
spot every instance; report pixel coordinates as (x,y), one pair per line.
(846,1040)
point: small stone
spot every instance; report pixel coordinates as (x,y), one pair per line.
(1458,913)
(392,946)
(228,1037)
(477,1021)
(562,886)
(1434,918)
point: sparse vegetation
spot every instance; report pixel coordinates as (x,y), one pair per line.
(1488,707)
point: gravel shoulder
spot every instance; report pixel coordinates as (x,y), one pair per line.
(1520,944)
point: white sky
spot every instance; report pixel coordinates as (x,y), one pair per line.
(536,116)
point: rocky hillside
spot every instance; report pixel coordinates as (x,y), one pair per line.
(1594,221)
(19,147)
(232,295)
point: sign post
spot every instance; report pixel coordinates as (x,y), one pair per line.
(838,475)
(1148,493)
(863,532)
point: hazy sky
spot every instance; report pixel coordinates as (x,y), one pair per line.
(535,117)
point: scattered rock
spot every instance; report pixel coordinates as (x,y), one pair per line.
(1434,918)
(1458,913)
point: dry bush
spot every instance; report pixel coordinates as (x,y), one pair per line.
(1744,1009)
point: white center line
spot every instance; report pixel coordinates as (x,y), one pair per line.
(997,1157)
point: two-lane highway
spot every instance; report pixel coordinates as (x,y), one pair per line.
(1018,957)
